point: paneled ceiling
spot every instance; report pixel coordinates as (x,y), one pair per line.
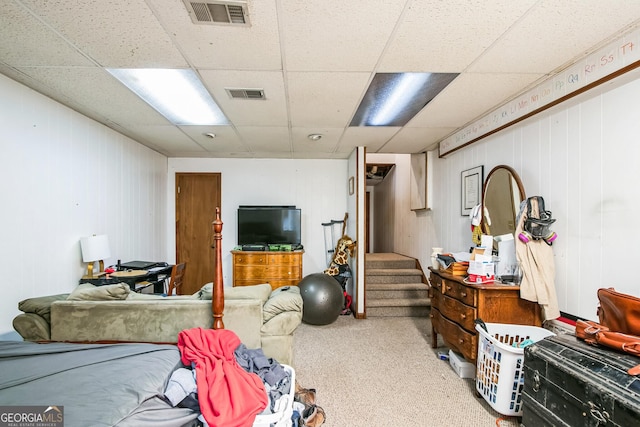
(314,59)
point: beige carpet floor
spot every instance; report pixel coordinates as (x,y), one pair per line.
(383,372)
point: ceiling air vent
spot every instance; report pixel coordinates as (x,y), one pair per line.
(218,12)
(245,93)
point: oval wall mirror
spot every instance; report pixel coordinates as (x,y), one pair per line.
(501,196)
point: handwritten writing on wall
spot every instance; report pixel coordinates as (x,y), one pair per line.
(616,55)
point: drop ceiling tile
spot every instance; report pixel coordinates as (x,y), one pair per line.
(114,34)
(22,39)
(271,111)
(226,138)
(326,145)
(266,138)
(255,47)
(96,91)
(325,99)
(166,139)
(366,136)
(336,35)
(415,140)
(545,39)
(469,96)
(442,36)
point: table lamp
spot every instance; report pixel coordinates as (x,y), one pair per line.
(95,248)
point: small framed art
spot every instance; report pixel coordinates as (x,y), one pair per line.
(471,191)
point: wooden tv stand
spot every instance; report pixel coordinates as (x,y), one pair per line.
(273,267)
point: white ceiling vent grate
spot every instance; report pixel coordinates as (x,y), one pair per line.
(218,12)
(236,93)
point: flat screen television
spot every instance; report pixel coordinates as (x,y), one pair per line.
(269,225)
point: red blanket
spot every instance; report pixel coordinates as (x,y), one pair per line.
(229,396)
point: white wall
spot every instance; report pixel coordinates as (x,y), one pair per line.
(317,187)
(63,177)
(583,157)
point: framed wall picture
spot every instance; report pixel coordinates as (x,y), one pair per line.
(471,191)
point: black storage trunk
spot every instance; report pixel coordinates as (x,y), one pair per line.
(570,383)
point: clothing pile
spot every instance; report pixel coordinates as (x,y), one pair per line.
(223,380)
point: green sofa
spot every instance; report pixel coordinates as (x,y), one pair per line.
(261,318)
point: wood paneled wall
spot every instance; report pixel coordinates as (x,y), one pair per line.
(63,177)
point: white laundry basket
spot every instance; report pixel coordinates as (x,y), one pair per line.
(283,409)
(499,368)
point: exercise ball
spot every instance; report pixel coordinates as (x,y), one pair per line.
(322,299)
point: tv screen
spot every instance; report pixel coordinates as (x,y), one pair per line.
(268,225)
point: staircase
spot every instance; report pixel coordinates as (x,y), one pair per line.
(395,287)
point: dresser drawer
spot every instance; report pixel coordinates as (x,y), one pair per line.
(466,294)
(436,298)
(275,283)
(243,272)
(250,259)
(284,259)
(454,336)
(458,312)
(436,282)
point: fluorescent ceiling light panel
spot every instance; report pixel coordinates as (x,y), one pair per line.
(178,94)
(393,99)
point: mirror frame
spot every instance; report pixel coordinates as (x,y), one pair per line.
(515,176)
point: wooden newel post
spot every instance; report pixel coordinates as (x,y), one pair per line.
(218,284)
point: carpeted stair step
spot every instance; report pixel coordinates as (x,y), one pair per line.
(397,291)
(393,275)
(390,263)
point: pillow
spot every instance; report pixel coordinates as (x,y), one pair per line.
(286,298)
(260,292)
(41,305)
(89,292)
(205,292)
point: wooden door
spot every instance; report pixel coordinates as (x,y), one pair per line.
(197,196)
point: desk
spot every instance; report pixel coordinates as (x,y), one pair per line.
(138,280)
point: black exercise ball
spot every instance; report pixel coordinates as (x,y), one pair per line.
(322,299)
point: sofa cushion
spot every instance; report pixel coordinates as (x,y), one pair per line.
(205,292)
(286,298)
(89,292)
(40,305)
(261,292)
(32,327)
(150,321)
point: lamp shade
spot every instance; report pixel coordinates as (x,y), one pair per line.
(95,248)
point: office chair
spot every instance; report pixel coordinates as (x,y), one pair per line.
(177,274)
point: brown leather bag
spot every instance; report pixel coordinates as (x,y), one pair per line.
(619,326)
(596,334)
(619,312)
(587,330)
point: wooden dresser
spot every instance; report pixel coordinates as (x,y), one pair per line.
(276,268)
(455,305)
